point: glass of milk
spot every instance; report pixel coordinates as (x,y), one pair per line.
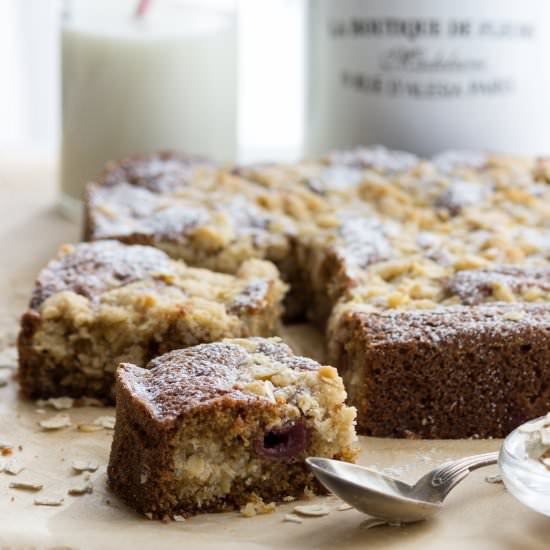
(138,77)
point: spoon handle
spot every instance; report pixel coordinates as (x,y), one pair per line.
(440,481)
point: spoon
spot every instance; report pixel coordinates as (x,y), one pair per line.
(387,498)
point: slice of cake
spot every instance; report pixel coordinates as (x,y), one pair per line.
(215,426)
(448,372)
(99,304)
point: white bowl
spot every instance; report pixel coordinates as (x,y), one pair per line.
(525,477)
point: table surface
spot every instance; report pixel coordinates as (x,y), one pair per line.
(476,514)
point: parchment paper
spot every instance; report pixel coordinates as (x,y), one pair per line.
(476,515)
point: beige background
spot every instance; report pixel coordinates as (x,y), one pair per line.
(476,515)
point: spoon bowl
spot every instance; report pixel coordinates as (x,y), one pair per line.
(372,493)
(389,499)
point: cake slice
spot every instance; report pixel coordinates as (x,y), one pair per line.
(215,426)
(448,372)
(99,304)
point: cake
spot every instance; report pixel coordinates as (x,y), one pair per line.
(375,244)
(214,219)
(102,303)
(451,372)
(216,426)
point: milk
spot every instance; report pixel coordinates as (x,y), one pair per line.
(136,86)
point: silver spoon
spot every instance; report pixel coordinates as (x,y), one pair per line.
(387,498)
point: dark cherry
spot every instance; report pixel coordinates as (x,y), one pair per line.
(283,443)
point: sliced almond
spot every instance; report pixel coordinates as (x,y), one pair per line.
(13,467)
(81,489)
(8,358)
(545,436)
(48,501)
(495,478)
(90,402)
(4,377)
(89,428)
(85,465)
(107,422)
(58,403)
(180,519)
(372,522)
(57,422)
(312,510)
(26,485)
(344,507)
(293,518)
(514,315)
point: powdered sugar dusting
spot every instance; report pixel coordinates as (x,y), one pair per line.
(449,161)
(461,324)
(378,157)
(476,286)
(364,241)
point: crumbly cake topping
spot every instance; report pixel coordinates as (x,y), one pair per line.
(476,286)
(407,233)
(449,161)
(377,157)
(364,241)
(89,269)
(445,324)
(160,172)
(234,369)
(110,274)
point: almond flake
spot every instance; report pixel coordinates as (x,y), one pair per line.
(107,422)
(48,501)
(344,507)
(90,402)
(4,379)
(373,522)
(545,436)
(293,518)
(84,466)
(81,489)
(13,467)
(58,403)
(89,428)
(313,510)
(514,315)
(26,485)
(495,478)
(8,358)
(180,519)
(56,422)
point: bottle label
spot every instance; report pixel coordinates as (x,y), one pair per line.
(430,75)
